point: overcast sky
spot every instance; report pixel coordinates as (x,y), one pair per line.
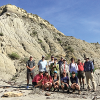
(78,18)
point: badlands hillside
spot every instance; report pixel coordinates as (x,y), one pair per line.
(23,34)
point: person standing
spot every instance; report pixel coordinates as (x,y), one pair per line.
(81,72)
(54,67)
(88,69)
(60,62)
(73,67)
(64,68)
(50,62)
(42,64)
(30,69)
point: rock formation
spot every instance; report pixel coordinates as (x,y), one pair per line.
(28,34)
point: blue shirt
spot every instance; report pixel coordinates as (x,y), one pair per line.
(65,79)
(42,65)
(60,63)
(88,66)
(74,80)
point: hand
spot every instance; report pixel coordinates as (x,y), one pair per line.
(31,69)
(67,85)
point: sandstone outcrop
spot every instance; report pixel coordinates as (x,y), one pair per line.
(28,34)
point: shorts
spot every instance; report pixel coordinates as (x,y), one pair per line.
(81,74)
(34,83)
(75,74)
(30,75)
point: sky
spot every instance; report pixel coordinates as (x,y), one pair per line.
(77,18)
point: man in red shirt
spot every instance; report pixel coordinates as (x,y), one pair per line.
(37,81)
(81,72)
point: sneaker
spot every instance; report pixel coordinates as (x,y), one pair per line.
(27,87)
(68,91)
(79,92)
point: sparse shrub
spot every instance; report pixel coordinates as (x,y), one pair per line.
(40,41)
(48,56)
(24,60)
(1,34)
(14,56)
(34,33)
(69,49)
(60,42)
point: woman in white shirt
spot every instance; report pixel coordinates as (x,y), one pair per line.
(64,68)
(73,67)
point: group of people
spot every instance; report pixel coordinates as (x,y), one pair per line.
(61,74)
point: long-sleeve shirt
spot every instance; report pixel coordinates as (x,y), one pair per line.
(45,80)
(65,68)
(37,78)
(88,66)
(54,68)
(73,67)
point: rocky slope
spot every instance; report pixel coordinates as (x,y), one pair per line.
(28,34)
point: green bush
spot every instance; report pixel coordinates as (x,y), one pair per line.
(14,56)
(70,49)
(34,33)
(1,34)
(48,56)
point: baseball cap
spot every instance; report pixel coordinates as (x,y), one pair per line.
(61,57)
(52,56)
(64,59)
(43,56)
(55,71)
(55,58)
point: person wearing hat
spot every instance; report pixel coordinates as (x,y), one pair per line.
(65,82)
(47,81)
(74,81)
(50,62)
(37,81)
(81,72)
(60,62)
(88,69)
(54,67)
(55,81)
(64,67)
(42,64)
(73,67)
(30,69)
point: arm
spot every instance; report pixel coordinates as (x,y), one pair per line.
(27,65)
(57,67)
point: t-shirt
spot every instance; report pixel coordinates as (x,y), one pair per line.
(37,78)
(73,67)
(45,80)
(50,62)
(42,65)
(80,67)
(30,64)
(74,80)
(65,79)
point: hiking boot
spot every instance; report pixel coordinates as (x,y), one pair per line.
(68,91)
(79,92)
(27,87)
(73,91)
